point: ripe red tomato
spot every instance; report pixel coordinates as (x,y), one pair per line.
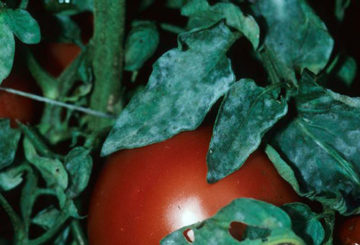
(144,194)
(349,231)
(17,107)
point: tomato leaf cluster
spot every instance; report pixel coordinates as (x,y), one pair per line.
(309,131)
(64,177)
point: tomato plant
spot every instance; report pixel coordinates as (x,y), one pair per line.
(278,75)
(17,107)
(349,231)
(144,194)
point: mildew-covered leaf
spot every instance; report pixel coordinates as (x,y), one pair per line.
(320,147)
(253,213)
(295,36)
(23,25)
(246,114)
(185,83)
(7,48)
(201,14)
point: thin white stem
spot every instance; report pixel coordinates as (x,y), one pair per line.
(57,103)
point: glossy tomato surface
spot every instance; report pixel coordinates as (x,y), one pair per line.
(17,107)
(144,194)
(349,231)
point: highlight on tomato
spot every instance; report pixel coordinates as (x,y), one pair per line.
(144,194)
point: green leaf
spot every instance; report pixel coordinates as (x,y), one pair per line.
(9,139)
(340,8)
(141,44)
(319,151)
(46,218)
(78,163)
(305,223)
(185,83)
(246,114)
(251,212)
(328,217)
(345,70)
(28,197)
(11,178)
(201,14)
(295,36)
(23,25)
(52,170)
(7,48)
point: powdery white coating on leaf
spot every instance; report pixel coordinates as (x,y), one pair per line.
(254,213)
(247,113)
(322,146)
(7,49)
(200,13)
(295,35)
(23,25)
(181,90)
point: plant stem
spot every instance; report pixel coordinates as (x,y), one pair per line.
(23,4)
(78,233)
(57,103)
(14,218)
(50,233)
(108,52)
(46,82)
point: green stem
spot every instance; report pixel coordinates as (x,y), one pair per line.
(46,82)
(108,52)
(23,4)
(57,103)
(78,233)
(172,28)
(50,233)
(14,218)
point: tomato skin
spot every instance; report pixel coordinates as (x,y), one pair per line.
(55,57)
(18,107)
(349,231)
(144,194)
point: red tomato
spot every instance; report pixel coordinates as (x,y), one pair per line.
(349,231)
(144,194)
(17,107)
(55,57)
